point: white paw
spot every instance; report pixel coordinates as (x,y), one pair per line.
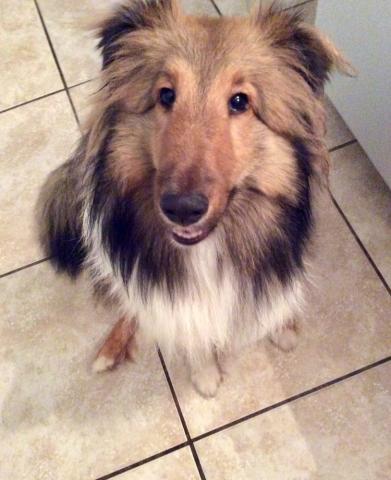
(207,380)
(285,339)
(103,363)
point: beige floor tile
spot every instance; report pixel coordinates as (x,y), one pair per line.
(366,201)
(176,466)
(337,130)
(243,7)
(35,139)
(341,433)
(58,419)
(346,325)
(27,66)
(74,44)
(68,24)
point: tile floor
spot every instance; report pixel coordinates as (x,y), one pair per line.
(321,412)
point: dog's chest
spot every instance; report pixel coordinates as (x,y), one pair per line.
(215,310)
(197,317)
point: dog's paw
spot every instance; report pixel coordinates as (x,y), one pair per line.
(107,359)
(103,363)
(285,339)
(207,380)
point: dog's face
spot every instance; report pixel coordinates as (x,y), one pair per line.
(211,107)
(206,141)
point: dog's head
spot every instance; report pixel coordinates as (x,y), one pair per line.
(209,107)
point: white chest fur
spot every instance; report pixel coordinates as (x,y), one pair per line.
(213,312)
(201,317)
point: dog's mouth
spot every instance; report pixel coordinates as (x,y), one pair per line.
(190,235)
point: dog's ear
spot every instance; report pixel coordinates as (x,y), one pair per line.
(313,54)
(131,16)
(318,56)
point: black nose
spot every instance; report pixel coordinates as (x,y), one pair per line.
(184,209)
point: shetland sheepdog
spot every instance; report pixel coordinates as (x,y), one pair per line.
(189,200)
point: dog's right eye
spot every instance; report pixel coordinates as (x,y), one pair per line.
(167,97)
(238,103)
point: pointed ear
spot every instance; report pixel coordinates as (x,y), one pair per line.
(308,51)
(131,16)
(317,55)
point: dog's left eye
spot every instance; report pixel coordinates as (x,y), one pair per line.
(238,103)
(167,97)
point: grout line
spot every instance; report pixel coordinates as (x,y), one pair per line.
(2,275)
(358,240)
(352,230)
(292,399)
(190,441)
(35,99)
(144,461)
(289,7)
(32,100)
(342,145)
(216,7)
(238,421)
(82,83)
(182,418)
(56,61)
(298,5)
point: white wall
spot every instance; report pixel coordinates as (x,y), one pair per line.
(362,29)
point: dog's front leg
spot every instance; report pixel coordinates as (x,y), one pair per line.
(119,345)
(206,376)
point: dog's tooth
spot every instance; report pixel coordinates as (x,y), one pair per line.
(187,235)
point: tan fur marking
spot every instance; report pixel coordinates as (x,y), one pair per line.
(118,346)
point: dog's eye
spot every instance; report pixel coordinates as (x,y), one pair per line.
(167,97)
(238,103)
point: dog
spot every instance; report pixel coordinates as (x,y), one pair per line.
(189,201)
